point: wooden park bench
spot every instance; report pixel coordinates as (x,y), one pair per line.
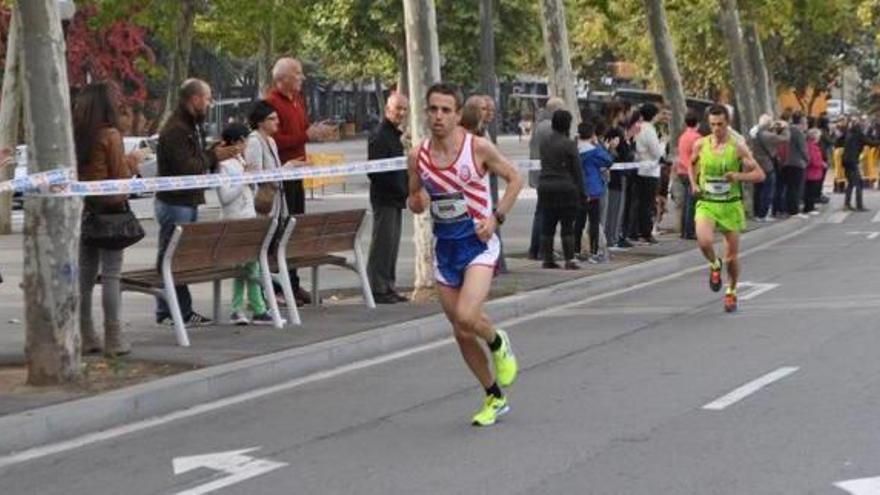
(315,239)
(208,252)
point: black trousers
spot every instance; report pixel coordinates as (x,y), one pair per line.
(564,217)
(793,177)
(589,212)
(384,248)
(853,181)
(812,193)
(646,191)
(628,225)
(295,196)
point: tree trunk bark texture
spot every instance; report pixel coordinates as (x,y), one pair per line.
(380,96)
(558,55)
(180,56)
(266,57)
(51,231)
(664,51)
(742,74)
(763,94)
(423,69)
(10,114)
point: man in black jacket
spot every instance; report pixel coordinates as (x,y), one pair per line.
(388,193)
(182,151)
(854,143)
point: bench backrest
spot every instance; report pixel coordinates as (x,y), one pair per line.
(322,233)
(220,244)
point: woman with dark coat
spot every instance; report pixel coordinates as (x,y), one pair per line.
(560,189)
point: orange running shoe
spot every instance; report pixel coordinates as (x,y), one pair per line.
(730,301)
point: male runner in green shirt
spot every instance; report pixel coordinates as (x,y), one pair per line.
(721,164)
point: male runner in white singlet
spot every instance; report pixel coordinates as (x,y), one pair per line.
(449,175)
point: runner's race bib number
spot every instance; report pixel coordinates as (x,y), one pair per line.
(449,208)
(717,186)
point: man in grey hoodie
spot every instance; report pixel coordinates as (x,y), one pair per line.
(795,164)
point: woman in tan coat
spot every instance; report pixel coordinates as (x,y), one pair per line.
(100,155)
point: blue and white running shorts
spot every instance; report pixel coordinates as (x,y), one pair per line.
(452,258)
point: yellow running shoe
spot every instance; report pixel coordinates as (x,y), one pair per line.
(492,409)
(505,362)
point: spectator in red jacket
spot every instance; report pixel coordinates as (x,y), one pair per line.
(815,172)
(294,131)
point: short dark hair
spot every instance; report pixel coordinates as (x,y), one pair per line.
(691,118)
(586,130)
(445,88)
(561,122)
(648,111)
(191,87)
(797,118)
(262,110)
(234,133)
(717,109)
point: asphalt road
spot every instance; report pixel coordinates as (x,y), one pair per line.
(627,394)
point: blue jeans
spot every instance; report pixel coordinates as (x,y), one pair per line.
(764,194)
(169,216)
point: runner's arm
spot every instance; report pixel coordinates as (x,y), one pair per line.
(694,169)
(496,163)
(418,198)
(752,172)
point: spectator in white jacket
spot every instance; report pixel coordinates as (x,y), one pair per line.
(261,151)
(649,150)
(237,202)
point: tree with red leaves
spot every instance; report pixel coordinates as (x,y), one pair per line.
(117,51)
(98,51)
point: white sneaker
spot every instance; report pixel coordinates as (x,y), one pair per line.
(803,216)
(814,212)
(769,219)
(760,219)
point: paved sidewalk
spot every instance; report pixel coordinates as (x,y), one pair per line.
(343,312)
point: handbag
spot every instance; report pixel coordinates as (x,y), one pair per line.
(264,199)
(110,230)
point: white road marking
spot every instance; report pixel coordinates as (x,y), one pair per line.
(235,463)
(118,431)
(749,388)
(861,486)
(757,289)
(837,217)
(868,235)
(876,218)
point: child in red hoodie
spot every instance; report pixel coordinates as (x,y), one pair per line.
(815,171)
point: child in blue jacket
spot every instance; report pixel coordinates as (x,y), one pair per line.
(595,160)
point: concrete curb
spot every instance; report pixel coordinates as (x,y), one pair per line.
(68,420)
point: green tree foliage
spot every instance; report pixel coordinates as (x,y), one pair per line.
(234,27)
(363,38)
(808,42)
(618,27)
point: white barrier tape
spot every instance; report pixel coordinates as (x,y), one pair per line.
(58,182)
(38,181)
